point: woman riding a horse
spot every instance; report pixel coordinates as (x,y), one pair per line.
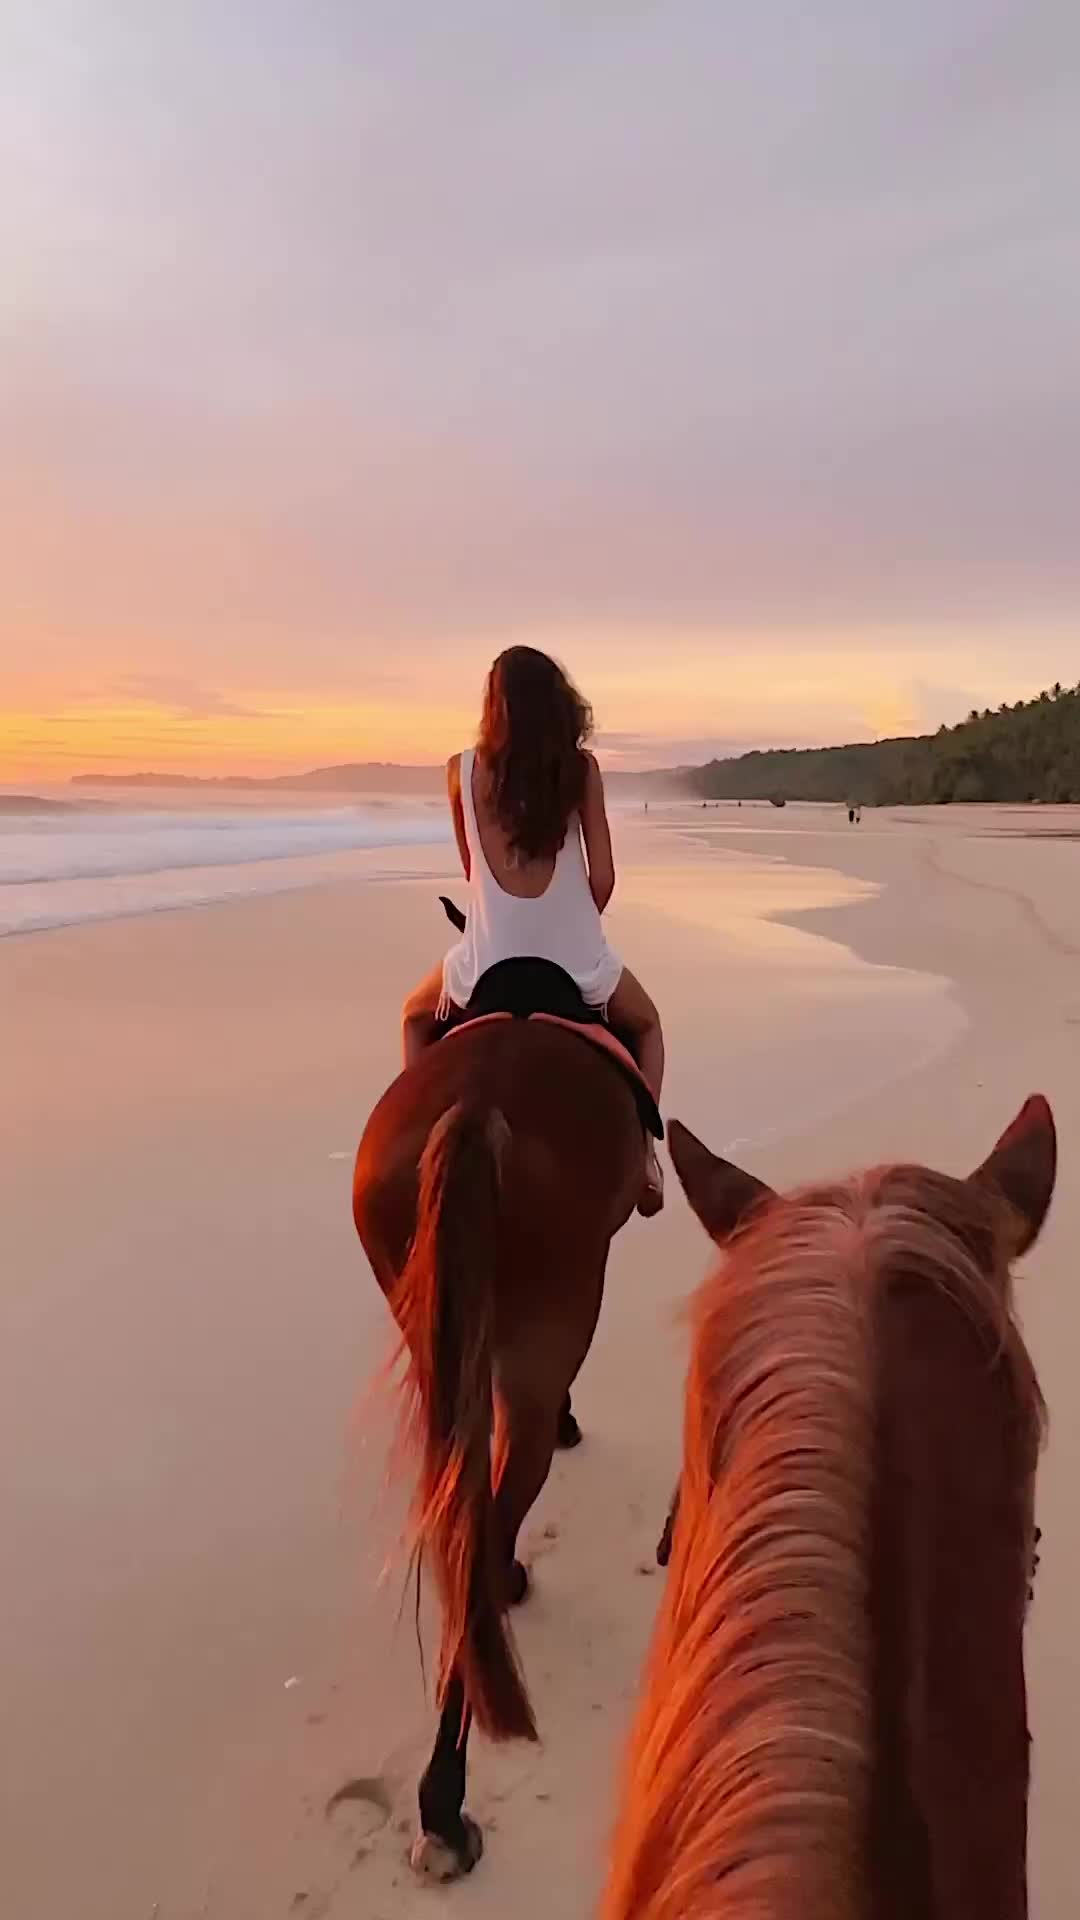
(489,1183)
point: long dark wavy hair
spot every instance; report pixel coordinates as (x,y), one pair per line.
(532,750)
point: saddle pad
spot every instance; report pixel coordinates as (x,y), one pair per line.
(470,1024)
(597,1036)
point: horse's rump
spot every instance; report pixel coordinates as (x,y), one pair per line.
(532,989)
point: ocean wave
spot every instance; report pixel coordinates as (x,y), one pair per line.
(57,871)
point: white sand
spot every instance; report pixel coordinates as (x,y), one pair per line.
(188,1480)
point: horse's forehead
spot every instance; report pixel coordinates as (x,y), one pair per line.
(896,1211)
(912,1188)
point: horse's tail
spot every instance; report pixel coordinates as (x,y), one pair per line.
(445,1305)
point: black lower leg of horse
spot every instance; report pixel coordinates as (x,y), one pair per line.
(442,1789)
(569,1432)
(663,1551)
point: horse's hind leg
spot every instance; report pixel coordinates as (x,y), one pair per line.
(531,1433)
(449,1843)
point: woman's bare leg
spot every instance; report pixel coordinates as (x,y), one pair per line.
(418,1016)
(631,1010)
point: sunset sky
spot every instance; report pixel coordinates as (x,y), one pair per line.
(728,351)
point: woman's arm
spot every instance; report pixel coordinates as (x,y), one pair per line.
(596,835)
(457,811)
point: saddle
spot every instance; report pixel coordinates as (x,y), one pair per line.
(532,989)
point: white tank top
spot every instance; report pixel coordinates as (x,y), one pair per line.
(561,925)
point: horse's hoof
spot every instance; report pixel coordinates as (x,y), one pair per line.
(569,1434)
(517,1585)
(434,1858)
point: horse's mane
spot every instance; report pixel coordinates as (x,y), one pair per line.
(748,1770)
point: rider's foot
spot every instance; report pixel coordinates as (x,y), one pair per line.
(652,1193)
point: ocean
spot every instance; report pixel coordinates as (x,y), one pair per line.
(58,868)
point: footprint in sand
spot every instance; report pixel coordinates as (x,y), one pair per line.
(367,1806)
(537,1544)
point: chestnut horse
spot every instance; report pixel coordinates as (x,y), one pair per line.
(833,1721)
(489,1182)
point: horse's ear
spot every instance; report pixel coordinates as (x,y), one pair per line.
(1022,1170)
(720,1194)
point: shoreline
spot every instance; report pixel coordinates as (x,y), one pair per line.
(893,1018)
(222,884)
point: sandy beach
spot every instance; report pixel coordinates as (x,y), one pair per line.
(212,1698)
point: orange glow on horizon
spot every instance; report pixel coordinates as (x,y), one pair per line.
(652,695)
(135,736)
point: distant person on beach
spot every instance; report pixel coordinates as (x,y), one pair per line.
(532,831)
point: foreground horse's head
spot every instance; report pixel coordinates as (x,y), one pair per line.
(833,1719)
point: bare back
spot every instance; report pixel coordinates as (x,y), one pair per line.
(529,879)
(521,878)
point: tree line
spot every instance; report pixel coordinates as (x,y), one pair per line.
(1023,753)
